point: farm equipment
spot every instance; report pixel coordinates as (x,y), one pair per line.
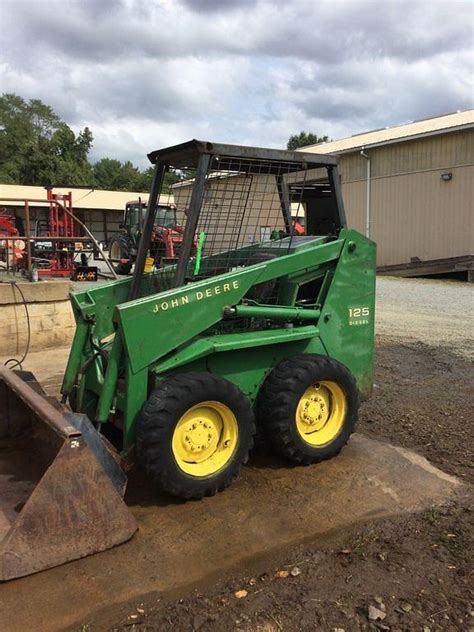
(177,368)
(11,251)
(165,241)
(52,246)
(56,258)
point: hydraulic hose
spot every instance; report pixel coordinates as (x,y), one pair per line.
(14,362)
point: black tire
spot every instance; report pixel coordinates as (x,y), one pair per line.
(121,243)
(280,395)
(160,416)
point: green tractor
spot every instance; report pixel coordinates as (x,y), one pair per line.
(165,240)
(177,369)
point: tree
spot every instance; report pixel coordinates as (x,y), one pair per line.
(305,138)
(112,174)
(37,147)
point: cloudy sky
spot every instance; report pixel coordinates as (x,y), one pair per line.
(144,74)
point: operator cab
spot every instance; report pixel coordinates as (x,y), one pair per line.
(314,208)
(135,212)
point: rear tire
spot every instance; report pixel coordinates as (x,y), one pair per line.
(308,408)
(193,434)
(119,248)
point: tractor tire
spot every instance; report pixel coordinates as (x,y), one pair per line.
(119,248)
(193,434)
(308,407)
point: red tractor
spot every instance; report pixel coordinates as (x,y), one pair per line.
(165,243)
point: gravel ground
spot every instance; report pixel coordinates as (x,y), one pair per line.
(437,313)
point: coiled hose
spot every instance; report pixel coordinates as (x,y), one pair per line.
(13,363)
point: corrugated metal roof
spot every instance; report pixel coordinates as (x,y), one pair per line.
(81,198)
(426,127)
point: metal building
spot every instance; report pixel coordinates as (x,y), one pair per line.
(410,188)
(101,210)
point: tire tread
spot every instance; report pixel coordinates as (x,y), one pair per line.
(279,395)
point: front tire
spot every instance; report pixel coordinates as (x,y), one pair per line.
(119,248)
(193,434)
(308,408)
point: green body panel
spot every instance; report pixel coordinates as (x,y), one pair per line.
(248,367)
(209,325)
(347,319)
(205,346)
(175,316)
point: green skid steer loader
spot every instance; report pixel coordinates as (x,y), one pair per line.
(258,329)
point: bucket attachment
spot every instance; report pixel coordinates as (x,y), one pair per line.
(61,486)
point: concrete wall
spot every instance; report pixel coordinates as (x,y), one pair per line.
(51,319)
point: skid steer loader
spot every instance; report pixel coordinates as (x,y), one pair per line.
(176,369)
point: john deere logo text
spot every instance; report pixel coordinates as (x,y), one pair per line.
(199,295)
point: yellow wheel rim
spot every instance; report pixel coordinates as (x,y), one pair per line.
(321,412)
(205,438)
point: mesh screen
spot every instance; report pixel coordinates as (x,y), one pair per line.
(242,215)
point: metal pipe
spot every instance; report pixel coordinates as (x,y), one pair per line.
(72,367)
(28,233)
(335,184)
(285,205)
(110,381)
(274,313)
(91,236)
(194,209)
(145,237)
(367,206)
(47,238)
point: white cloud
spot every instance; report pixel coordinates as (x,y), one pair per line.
(143,74)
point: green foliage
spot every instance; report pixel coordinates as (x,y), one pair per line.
(305,138)
(123,176)
(36,147)
(115,175)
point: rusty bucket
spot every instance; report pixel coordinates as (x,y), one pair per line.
(61,486)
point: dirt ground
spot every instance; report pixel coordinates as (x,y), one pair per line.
(398,574)
(401,574)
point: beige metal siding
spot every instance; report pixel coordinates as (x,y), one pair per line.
(419,215)
(352,167)
(414,214)
(354,196)
(435,152)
